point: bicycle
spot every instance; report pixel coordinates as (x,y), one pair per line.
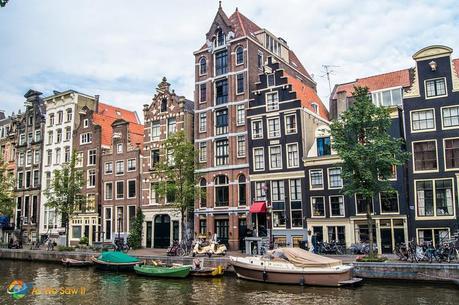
(120,246)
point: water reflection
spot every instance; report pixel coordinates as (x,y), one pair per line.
(121,288)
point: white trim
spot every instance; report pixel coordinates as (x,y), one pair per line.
(356,210)
(252,128)
(312,210)
(330,208)
(285,123)
(269,155)
(389,213)
(422,130)
(437,96)
(444,155)
(413,158)
(255,169)
(297,152)
(127,188)
(441,114)
(328,178)
(105,190)
(116,190)
(434,216)
(270,136)
(432,230)
(310,179)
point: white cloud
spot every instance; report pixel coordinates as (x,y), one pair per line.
(121,49)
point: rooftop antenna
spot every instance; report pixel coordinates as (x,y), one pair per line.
(328,71)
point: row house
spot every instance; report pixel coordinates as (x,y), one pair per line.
(168,113)
(120,180)
(29,149)
(91,138)
(8,139)
(431,115)
(282,119)
(61,121)
(226,70)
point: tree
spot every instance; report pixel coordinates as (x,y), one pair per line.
(176,174)
(135,235)
(6,190)
(3,3)
(64,193)
(362,140)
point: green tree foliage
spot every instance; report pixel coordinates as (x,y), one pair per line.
(135,235)
(362,140)
(64,193)
(176,174)
(6,190)
(3,3)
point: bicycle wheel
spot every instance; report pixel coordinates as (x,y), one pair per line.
(180,252)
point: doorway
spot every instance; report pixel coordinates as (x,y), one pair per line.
(222,230)
(386,240)
(162,231)
(149,234)
(242,233)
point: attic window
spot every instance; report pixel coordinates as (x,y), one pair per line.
(315,107)
(270,80)
(164,105)
(220,39)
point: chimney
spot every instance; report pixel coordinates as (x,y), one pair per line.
(96,99)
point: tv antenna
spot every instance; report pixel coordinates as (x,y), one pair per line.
(328,71)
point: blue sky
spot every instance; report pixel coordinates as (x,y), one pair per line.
(121,49)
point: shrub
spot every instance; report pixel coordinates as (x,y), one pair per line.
(65,248)
(84,241)
(375,259)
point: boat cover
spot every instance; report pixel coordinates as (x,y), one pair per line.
(117,257)
(301,258)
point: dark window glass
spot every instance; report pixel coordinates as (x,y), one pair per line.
(221,88)
(221,118)
(389,202)
(323,146)
(362,204)
(239,55)
(242,190)
(203,195)
(222,153)
(425,156)
(164,105)
(436,87)
(221,62)
(154,157)
(452,153)
(131,189)
(202,92)
(202,66)
(221,191)
(240,83)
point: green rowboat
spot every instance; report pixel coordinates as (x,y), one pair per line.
(157,271)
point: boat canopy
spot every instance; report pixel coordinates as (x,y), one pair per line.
(303,259)
(117,257)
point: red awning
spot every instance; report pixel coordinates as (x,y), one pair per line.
(258,207)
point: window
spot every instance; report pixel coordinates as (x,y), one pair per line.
(361,204)
(29,137)
(59,136)
(49,157)
(50,138)
(30,120)
(108,223)
(91,202)
(272,101)
(29,158)
(131,165)
(202,122)
(259,158)
(119,189)
(58,156)
(202,151)
(423,120)
(154,157)
(220,39)
(85,123)
(270,79)
(452,153)
(239,55)
(290,124)
(317,207)
(257,129)
(222,154)
(202,66)
(315,107)
(295,203)
(242,190)
(436,236)
(240,146)
(317,179)
(91,178)
(278,204)
(48,179)
(119,167)
(260,191)
(221,191)
(171,126)
(60,117)
(79,159)
(389,202)
(20,180)
(295,190)
(119,148)
(36,157)
(203,226)
(67,154)
(69,115)
(108,168)
(170,157)
(425,156)
(334,178)
(275,157)
(86,138)
(51,119)
(278,214)
(76,232)
(28,180)
(132,190)
(240,115)
(155,130)
(92,157)
(221,89)
(240,83)
(434,197)
(68,134)
(221,121)
(292,155)
(221,62)
(450,117)
(153,197)
(387,97)
(22,139)
(203,193)
(202,93)
(164,105)
(323,146)
(21,159)
(336,206)
(37,135)
(273,128)
(260,60)
(436,87)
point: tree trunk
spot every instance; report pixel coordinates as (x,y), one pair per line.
(370,227)
(67,241)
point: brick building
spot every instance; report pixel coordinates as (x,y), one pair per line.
(168,113)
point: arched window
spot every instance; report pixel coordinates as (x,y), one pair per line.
(203,193)
(242,190)
(221,191)
(202,66)
(239,55)
(164,105)
(220,39)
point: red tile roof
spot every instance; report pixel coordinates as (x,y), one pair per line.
(377,82)
(242,25)
(456,65)
(108,114)
(307,96)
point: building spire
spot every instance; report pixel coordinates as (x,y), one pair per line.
(219,4)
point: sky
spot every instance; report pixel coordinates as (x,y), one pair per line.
(120,50)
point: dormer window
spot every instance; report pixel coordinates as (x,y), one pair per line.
(315,107)
(239,55)
(386,97)
(220,39)
(435,87)
(164,105)
(119,148)
(202,66)
(270,80)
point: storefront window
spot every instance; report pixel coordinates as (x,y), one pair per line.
(279,215)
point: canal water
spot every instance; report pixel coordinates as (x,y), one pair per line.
(54,284)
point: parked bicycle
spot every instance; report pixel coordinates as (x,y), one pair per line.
(182,248)
(121,246)
(332,247)
(446,251)
(362,248)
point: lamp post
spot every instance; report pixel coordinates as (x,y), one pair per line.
(119,226)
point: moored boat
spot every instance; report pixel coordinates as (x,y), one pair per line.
(115,261)
(163,271)
(70,262)
(294,266)
(208,271)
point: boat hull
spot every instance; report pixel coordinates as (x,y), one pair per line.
(101,265)
(315,278)
(163,271)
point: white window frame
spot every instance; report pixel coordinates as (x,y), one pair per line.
(258,135)
(124,169)
(444,155)
(255,169)
(442,118)
(235,55)
(280,157)
(85,123)
(202,119)
(272,106)
(236,83)
(312,210)
(86,138)
(390,213)
(153,127)
(330,208)
(119,148)
(105,190)
(427,129)
(328,178)
(127,188)
(238,146)
(127,165)
(436,96)
(435,216)
(296,162)
(240,118)
(288,131)
(413,156)
(310,179)
(89,157)
(116,189)
(365,213)
(271,133)
(202,156)
(105,168)
(88,183)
